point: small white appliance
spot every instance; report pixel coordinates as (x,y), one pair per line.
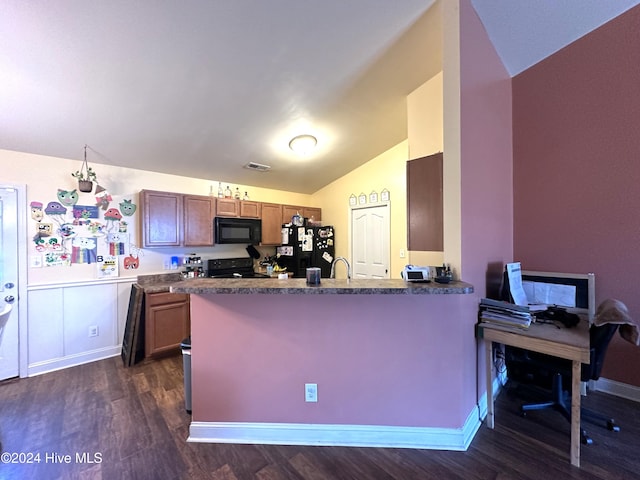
(415,273)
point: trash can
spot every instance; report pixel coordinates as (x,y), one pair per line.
(186,364)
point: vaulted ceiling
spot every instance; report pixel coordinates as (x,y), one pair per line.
(202,87)
(525,31)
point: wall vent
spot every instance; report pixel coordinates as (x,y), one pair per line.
(257,166)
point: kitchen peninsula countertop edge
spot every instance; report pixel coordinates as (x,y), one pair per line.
(158,283)
(298,286)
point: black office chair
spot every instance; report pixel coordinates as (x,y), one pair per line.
(555,374)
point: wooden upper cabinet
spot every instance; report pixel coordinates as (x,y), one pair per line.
(161,218)
(176,219)
(250,209)
(312,213)
(271,224)
(230,207)
(424,204)
(289,211)
(173,219)
(199,211)
(227,207)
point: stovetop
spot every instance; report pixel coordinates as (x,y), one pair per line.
(232,268)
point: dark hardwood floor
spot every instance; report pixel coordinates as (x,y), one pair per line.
(130,423)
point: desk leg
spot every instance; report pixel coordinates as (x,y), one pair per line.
(488,347)
(575,413)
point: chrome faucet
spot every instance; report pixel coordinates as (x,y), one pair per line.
(333,267)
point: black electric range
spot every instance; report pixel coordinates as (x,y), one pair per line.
(232,268)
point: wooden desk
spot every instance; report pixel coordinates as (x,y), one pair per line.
(569,343)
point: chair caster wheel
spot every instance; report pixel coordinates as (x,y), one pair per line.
(611,425)
(586,439)
(523,414)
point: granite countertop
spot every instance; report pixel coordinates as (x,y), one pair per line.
(158,283)
(298,286)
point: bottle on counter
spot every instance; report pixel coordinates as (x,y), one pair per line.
(227,192)
(220,191)
(246,196)
(448,273)
(237,194)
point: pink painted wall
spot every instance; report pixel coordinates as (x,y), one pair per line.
(377,359)
(487,191)
(576,116)
(486,164)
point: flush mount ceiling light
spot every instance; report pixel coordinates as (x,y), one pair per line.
(303,144)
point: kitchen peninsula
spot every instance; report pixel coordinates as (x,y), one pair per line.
(389,361)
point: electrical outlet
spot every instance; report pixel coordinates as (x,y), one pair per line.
(310,392)
(93,331)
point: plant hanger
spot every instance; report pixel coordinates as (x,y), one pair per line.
(86,176)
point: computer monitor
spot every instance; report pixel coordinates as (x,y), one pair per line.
(584,283)
(584,302)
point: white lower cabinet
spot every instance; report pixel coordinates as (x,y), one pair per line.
(73,324)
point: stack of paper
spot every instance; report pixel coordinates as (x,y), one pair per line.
(504,313)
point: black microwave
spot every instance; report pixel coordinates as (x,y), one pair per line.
(237,230)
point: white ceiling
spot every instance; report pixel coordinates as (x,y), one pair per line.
(201,87)
(527,31)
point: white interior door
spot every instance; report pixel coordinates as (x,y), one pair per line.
(370,238)
(9,351)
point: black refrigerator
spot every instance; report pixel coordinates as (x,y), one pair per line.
(304,247)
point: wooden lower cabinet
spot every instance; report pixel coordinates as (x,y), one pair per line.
(166,324)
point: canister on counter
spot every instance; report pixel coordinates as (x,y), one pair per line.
(313,276)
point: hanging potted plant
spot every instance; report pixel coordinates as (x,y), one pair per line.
(86,176)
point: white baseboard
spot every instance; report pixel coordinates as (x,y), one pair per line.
(47,366)
(630,392)
(337,435)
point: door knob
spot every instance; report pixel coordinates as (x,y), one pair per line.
(9,298)
(9,285)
